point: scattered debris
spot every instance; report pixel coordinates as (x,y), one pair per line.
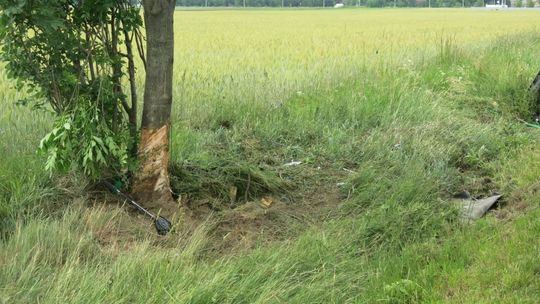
(349,170)
(474,209)
(340,184)
(292,163)
(266,202)
(232,194)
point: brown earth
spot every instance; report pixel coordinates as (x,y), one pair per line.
(270,218)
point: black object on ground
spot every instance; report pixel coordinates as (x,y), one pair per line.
(163,226)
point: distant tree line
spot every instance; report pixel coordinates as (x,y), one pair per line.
(329,3)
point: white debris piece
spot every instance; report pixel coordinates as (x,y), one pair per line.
(292,163)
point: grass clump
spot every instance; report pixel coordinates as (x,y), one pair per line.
(226,180)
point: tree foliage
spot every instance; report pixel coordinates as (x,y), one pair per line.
(73,57)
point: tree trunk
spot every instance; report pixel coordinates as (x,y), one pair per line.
(534,88)
(151,183)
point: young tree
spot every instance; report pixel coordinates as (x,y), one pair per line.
(73,55)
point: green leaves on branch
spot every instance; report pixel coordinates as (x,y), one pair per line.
(81,139)
(72,55)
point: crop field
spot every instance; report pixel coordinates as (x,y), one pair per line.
(356,126)
(232,62)
(263,56)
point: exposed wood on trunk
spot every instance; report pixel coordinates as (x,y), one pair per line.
(151,184)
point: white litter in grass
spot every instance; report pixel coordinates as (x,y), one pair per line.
(292,163)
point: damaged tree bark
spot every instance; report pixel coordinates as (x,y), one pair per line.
(151,184)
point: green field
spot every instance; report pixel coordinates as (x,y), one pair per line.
(389,111)
(264,56)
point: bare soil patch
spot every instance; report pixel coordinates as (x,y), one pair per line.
(270,217)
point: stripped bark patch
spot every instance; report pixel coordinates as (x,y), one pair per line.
(151,184)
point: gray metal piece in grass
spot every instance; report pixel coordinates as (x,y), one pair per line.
(475,209)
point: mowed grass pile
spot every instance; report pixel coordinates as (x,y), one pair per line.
(412,128)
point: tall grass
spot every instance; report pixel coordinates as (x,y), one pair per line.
(22,180)
(409,133)
(230,61)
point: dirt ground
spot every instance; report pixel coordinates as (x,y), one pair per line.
(273,217)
